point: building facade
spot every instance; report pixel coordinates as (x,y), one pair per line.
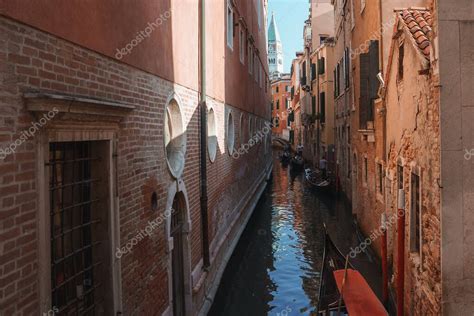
(318,132)
(296,136)
(124,184)
(281,96)
(342,75)
(323,96)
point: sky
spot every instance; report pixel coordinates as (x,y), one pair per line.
(290,16)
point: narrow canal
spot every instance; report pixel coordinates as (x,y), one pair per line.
(275,267)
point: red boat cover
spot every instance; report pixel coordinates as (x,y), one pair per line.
(358,297)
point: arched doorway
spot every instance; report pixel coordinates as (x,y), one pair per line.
(178,228)
(177,254)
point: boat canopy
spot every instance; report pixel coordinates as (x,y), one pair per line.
(358,297)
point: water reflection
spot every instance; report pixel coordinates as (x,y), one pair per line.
(275,267)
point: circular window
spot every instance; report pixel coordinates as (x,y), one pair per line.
(175,137)
(230,133)
(211,135)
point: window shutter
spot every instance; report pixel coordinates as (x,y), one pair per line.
(373,81)
(303,74)
(313,104)
(347,67)
(322,103)
(321,66)
(313,71)
(291,117)
(364,99)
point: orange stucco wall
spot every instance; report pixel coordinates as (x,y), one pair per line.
(171,49)
(282,112)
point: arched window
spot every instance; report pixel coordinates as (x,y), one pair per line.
(211,135)
(175,136)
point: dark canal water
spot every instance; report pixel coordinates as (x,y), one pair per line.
(275,267)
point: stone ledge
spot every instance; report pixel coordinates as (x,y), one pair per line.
(75,105)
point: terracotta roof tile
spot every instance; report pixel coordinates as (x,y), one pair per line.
(418,33)
(424,45)
(418,21)
(415,29)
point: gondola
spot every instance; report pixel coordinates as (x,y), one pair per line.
(343,290)
(333,260)
(316,181)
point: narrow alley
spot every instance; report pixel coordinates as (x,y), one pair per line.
(275,268)
(236,157)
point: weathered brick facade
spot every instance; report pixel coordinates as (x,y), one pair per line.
(413,150)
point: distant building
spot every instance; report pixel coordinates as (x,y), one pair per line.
(317,98)
(295,116)
(281,109)
(275,51)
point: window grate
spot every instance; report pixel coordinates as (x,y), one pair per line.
(73,222)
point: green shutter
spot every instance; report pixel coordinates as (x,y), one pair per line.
(373,81)
(364,100)
(322,104)
(321,66)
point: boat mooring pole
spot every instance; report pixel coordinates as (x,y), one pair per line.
(400,251)
(384,260)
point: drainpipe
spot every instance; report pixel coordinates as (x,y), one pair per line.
(203,134)
(382,72)
(401,252)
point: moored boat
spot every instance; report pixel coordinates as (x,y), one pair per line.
(315,179)
(333,260)
(343,290)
